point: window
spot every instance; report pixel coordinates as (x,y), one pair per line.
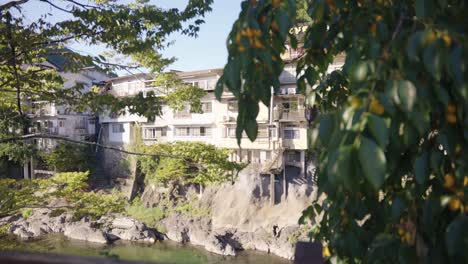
(118,128)
(293,156)
(273,132)
(184,113)
(92,122)
(158,132)
(262,132)
(205,131)
(290,105)
(232,106)
(193,131)
(181,131)
(61,123)
(231,132)
(291,134)
(207,107)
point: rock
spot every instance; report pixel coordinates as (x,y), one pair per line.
(125,222)
(177,228)
(83,231)
(215,245)
(198,236)
(178,234)
(21,232)
(133,234)
(127,228)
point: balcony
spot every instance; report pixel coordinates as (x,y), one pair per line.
(45,131)
(182,115)
(290,114)
(81,131)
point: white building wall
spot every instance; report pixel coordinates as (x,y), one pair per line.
(119,136)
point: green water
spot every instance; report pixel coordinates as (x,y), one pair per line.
(162,252)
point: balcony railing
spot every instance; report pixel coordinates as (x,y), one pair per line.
(81,131)
(46,131)
(290,115)
(180,115)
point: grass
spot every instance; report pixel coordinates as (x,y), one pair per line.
(26,213)
(191,208)
(150,216)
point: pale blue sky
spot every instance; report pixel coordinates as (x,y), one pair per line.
(207,51)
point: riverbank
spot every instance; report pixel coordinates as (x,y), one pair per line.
(160,252)
(226,219)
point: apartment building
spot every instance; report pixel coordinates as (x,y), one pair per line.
(49,118)
(285,135)
(118,129)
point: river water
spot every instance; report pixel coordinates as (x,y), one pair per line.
(161,252)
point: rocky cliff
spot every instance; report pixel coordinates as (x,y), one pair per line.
(241,215)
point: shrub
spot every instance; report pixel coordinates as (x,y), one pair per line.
(68,157)
(150,216)
(196,162)
(26,213)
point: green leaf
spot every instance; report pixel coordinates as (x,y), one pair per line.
(414,44)
(219,88)
(232,75)
(378,129)
(424,8)
(433,60)
(326,127)
(455,236)
(421,168)
(398,206)
(340,167)
(373,162)
(407,95)
(284,23)
(251,128)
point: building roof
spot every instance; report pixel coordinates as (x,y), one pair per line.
(138,76)
(199,73)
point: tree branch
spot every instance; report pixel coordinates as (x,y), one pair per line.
(13,3)
(12,45)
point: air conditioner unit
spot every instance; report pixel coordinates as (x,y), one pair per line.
(291,90)
(81,131)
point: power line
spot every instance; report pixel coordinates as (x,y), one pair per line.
(35,136)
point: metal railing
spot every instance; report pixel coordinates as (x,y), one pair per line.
(289,114)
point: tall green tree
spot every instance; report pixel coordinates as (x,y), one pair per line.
(136,29)
(393,130)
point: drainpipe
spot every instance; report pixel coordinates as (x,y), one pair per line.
(272,176)
(271,117)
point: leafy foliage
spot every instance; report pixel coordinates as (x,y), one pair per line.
(21,195)
(136,30)
(178,94)
(198,163)
(150,216)
(67,157)
(393,129)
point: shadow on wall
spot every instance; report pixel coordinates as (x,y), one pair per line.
(308,253)
(294,179)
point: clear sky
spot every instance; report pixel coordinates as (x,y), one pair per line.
(209,49)
(205,52)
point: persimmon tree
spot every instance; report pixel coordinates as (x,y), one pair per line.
(393,128)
